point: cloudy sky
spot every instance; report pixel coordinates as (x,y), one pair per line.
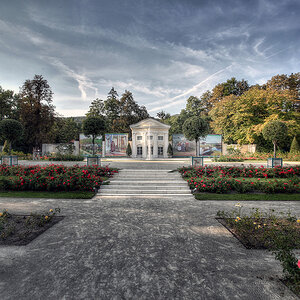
(162,51)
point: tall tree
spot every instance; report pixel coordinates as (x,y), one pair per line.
(194,128)
(275,131)
(6,103)
(94,126)
(162,115)
(10,131)
(36,110)
(97,108)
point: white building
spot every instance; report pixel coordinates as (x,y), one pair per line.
(150,139)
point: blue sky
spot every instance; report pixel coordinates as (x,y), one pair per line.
(162,51)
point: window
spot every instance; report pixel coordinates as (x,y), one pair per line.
(151,150)
(160,138)
(139,137)
(139,150)
(151,137)
(160,150)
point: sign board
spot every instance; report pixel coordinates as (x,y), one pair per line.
(116,144)
(211,145)
(182,147)
(86,145)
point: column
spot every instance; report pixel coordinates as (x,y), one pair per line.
(166,144)
(144,144)
(155,148)
(133,145)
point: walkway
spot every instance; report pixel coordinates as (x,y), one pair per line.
(142,248)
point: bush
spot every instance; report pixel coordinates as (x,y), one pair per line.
(295,148)
(170,150)
(128,150)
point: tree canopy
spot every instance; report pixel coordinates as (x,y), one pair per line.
(10,130)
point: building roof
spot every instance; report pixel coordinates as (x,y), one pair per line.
(150,122)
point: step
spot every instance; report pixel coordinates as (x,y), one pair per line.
(132,191)
(150,182)
(148,176)
(142,196)
(143,187)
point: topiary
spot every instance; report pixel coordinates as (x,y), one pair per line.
(128,150)
(295,147)
(170,150)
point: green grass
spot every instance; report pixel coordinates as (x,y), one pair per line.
(248,197)
(49,195)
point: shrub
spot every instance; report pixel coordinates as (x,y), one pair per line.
(128,150)
(295,147)
(170,150)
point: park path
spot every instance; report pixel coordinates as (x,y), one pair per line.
(138,247)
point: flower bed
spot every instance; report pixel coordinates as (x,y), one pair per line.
(279,233)
(53,178)
(242,180)
(20,230)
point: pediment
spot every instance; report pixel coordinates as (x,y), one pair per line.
(152,123)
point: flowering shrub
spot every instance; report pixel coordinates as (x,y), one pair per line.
(258,156)
(234,172)
(55,177)
(242,180)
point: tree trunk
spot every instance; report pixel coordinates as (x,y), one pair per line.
(197,154)
(274,149)
(93,145)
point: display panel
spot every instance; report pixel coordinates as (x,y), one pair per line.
(211,145)
(182,146)
(116,144)
(86,145)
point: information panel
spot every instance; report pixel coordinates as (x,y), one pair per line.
(116,144)
(86,145)
(182,146)
(211,145)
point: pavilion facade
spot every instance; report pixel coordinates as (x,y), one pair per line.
(150,139)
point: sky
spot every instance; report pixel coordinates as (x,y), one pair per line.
(163,51)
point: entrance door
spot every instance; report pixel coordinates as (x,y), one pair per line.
(160,151)
(139,151)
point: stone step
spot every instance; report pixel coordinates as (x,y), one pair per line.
(146,196)
(151,191)
(147,176)
(149,182)
(144,187)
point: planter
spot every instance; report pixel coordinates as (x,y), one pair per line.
(197,161)
(274,162)
(9,160)
(93,161)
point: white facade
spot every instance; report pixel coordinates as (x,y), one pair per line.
(150,139)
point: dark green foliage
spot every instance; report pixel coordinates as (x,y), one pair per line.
(170,150)
(275,131)
(10,130)
(295,147)
(128,150)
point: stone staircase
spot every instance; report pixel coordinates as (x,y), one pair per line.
(132,182)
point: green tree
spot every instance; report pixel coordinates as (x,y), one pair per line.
(128,150)
(162,115)
(97,108)
(11,130)
(295,147)
(6,103)
(94,126)
(36,111)
(275,131)
(194,128)
(194,106)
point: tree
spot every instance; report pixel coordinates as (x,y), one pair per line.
(93,126)
(170,150)
(275,131)
(295,147)
(10,130)
(162,115)
(6,103)
(194,106)
(128,150)
(36,110)
(194,128)
(97,108)
(64,130)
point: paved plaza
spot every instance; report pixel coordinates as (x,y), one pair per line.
(141,247)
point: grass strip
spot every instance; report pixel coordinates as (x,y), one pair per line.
(248,197)
(49,195)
